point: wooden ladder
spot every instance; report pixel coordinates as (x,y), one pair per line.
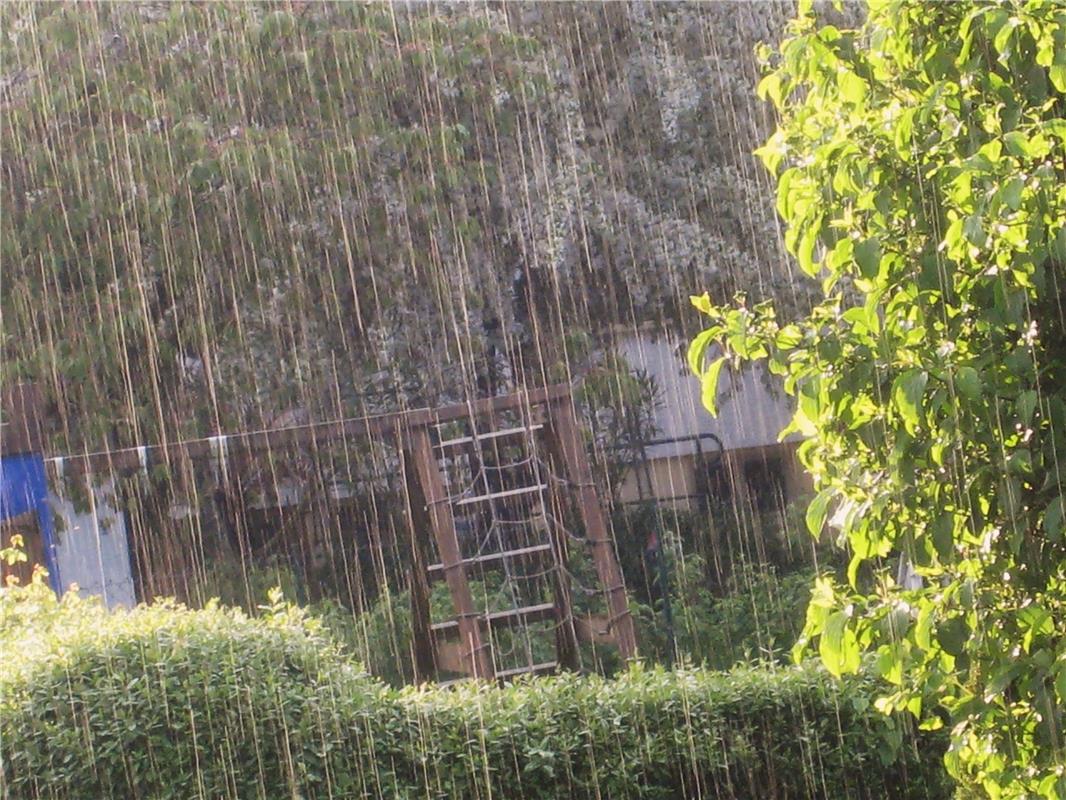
(546,417)
(463,644)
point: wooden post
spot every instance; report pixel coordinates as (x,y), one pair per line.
(569,450)
(566,647)
(566,639)
(440,516)
(418,519)
(424,651)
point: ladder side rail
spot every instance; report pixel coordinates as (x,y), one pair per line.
(566,633)
(426,663)
(570,452)
(442,524)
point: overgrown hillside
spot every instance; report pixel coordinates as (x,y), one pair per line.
(227,214)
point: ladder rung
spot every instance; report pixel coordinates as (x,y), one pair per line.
(481,498)
(535,669)
(489,435)
(436,571)
(505,618)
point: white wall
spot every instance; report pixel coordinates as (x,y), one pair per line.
(751,410)
(92,550)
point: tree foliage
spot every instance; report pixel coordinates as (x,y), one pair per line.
(921,168)
(217,214)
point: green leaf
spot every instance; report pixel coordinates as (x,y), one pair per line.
(868,257)
(968,383)
(952,635)
(788,337)
(817,512)
(709,385)
(1012,193)
(943,532)
(770,88)
(923,627)
(1026,405)
(1057,74)
(907,393)
(973,229)
(890,665)
(805,250)
(1004,35)
(1017,144)
(904,133)
(852,87)
(698,348)
(1053,517)
(702,302)
(838,646)
(1036,621)
(810,398)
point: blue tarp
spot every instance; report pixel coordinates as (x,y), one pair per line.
(23,488)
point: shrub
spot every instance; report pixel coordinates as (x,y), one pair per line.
(164,702)
(759,618)
(655,733)
(920,179)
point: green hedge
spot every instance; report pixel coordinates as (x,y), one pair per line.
(163,702)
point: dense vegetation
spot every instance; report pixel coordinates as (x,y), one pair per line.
(921,166)
(742,609)
(162,702)
(245,214)
(220,214)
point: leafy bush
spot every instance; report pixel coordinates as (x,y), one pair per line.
(759,618)
(164,702)
(379,639)
(167,702)
(724,538)
(920,177)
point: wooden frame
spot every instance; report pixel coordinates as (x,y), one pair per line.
(549,415)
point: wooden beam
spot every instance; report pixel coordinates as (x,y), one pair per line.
(135,458)
(424,653)
(569,449)
(368,427)
(566,634)
(431,484)
(488,405)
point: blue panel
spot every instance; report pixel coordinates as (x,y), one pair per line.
(21,485)
(24,487)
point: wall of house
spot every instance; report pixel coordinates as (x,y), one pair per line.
(92,548)
(752,407)
(674,477)
(752,410)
